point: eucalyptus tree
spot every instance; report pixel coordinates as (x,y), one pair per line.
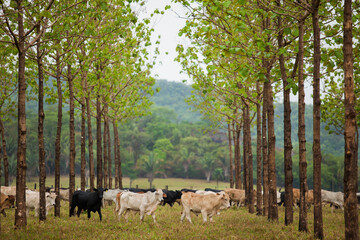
(351,135)
(8,88)
(18,29)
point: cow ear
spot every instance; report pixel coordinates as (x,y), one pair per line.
(164,195)
(95,190)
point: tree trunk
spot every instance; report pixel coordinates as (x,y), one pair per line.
(245,157)
(4,154)
(301,132)
(72,135)
(258,154)
(41,117)
(351,136)
(109,153)
(91,152)
(249,159)
(83,143)
(230,156)
(273,208)
(98,143)
(265,156)
(20,210)
(318,222)
(116,159)
(58,135)
(289,218)
(105,150)
(237,156)
(119,160)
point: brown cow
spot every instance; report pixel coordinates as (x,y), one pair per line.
(6,201)
(207,205)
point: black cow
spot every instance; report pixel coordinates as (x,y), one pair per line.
(213,190)
(187,190)
(171,197)
(282,199)
(139,190)
(90,201)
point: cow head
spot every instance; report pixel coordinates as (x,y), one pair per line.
(225,200)
(178,194)
(8,201)
(100,192)
(159,195)
(50,199)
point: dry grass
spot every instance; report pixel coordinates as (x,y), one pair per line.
(231,224)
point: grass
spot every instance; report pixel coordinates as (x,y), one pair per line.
(231,224)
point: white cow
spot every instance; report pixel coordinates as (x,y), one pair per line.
(33,201)
(207,205)
(145,203)
(110,195)
(8,190)
(334,198)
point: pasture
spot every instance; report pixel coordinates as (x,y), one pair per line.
(231,224)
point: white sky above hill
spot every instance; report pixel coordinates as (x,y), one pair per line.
(168,26)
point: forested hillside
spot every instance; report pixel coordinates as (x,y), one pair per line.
(173,141)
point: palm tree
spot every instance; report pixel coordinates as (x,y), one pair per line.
(207,162)
(151,166)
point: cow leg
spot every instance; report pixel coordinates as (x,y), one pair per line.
(3,212)
(120,212)
(79,211)
(187,212)
(100,215)
(37,210)
(182,215)
(89,213)
(27,212)
(72,210)
(204,215)
(142,215)
(126,215)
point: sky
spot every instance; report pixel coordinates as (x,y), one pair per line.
(168,26)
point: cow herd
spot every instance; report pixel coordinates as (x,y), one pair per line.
(206,202)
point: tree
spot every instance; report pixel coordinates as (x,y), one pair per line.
(351,135)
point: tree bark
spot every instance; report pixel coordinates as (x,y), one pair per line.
(351,135)
(98,143)
(289,218)
(116,159)
(265,156)
(258,154)
(237,156)
(91,152)
(273,208)
(4,154)
(109,153)
(249,159)
(245,157)
(105,152)
(83,144)
(41,117)
(58,135)
(72,135)
(119,159)
(230,157)
(301,132)
(318,221)
(20,210)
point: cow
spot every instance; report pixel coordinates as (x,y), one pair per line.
(207,205)
(145,203)
(336,199)
(237,196)
(213,190)
(309,198)
(90,201)
(33,201)
(171,197)
(110,195)
(188,190)
(8,190)
(64,193)
(6,201)
(139,190)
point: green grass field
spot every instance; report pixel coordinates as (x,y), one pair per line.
(231,224)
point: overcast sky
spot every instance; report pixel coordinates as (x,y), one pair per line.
(168,26)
